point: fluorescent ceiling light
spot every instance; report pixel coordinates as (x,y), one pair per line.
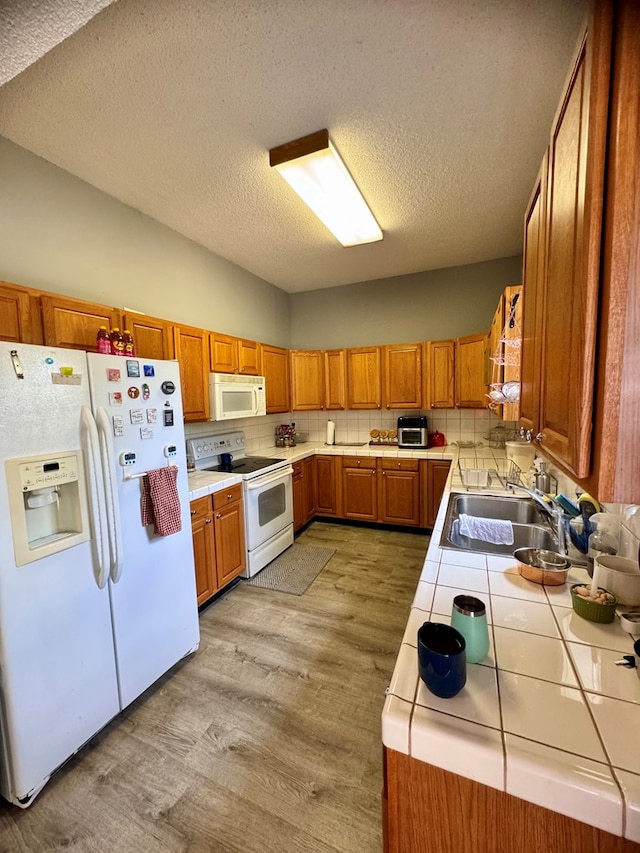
(313,168)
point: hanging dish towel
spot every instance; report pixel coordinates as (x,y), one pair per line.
(493,530)
(160,501)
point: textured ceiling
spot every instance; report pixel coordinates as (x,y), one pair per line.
(441,110)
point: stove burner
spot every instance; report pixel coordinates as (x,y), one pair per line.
(246,465)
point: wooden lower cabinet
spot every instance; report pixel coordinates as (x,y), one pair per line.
(304,491)
(217,527)
(399,491)
(328,472)
(436,477)
(359,491)
(203,547)
(428,809)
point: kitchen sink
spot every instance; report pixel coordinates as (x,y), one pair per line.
(530,527)
(521,510)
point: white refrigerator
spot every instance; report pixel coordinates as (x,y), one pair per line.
(94,606)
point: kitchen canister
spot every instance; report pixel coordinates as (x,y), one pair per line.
(469,617)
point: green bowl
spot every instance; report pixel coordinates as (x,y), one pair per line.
(590,609)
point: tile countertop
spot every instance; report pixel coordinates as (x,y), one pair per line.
(547,716)
(202,483)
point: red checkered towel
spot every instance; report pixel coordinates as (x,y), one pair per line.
(160,501)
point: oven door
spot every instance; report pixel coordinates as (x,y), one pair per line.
(268,505)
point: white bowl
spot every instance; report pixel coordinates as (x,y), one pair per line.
(621,576)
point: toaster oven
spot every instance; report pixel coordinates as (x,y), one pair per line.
(412,432)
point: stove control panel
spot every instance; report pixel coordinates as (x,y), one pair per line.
(206,446)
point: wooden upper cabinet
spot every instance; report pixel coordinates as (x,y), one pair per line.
(307,380)
(234,355)
(249,361)
(74,323)
(402,376)
(191,347)
(573,232)
(153,337)
(224,353)
(335,379)
(275,365)
(439,374)
(471,388)
(512,346)
(364,378)
(496,366)
(532,296)
(18,315)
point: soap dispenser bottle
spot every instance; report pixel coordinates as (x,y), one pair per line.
(542,479)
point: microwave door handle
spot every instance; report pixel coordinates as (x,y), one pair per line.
(255,401)
(260,482)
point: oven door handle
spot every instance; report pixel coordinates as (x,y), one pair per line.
(261,482)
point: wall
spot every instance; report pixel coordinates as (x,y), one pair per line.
(59,233)
(432,305)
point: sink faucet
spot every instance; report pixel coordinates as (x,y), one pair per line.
(556,516)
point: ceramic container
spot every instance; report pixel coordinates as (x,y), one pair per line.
(621,576)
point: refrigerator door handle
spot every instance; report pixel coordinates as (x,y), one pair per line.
(95,493)
(111,493)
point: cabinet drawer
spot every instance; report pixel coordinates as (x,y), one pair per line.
(358,462)
(297,469)
(200,508)
(399,464)
(226,496)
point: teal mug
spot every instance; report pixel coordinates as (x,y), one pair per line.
(469,617)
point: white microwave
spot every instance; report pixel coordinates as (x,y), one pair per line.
(232,396)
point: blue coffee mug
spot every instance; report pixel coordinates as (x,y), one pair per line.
(226,458)
(442,661)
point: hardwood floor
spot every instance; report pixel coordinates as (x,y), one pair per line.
(267,739)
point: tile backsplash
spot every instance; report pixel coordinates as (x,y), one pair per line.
(456,424)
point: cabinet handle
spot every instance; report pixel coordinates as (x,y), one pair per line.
(193,512)
(218,515)
(229,497)
(208,521)
(539,437)
(388,406)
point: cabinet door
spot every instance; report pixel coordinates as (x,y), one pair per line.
(307,380)
(152,336)
(191,347)
(249,362)
(399,491)
(203,548)
(437,473)
(359,492)
(74,323)
(298,496)
(471,390)
(231,555)
(573,231)
(326,485)
(310,487)
(363,378)
(440,374)
(402,376)
(224,353)
(335,379)
(275,364)
(532,296)
(16,315)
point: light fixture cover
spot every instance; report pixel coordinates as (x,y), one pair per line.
(313,168)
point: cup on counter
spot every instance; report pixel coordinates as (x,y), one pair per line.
(441,659)
(469,617)
(226,458)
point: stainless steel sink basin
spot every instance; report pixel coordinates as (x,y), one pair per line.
(521,510)
(530,528)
